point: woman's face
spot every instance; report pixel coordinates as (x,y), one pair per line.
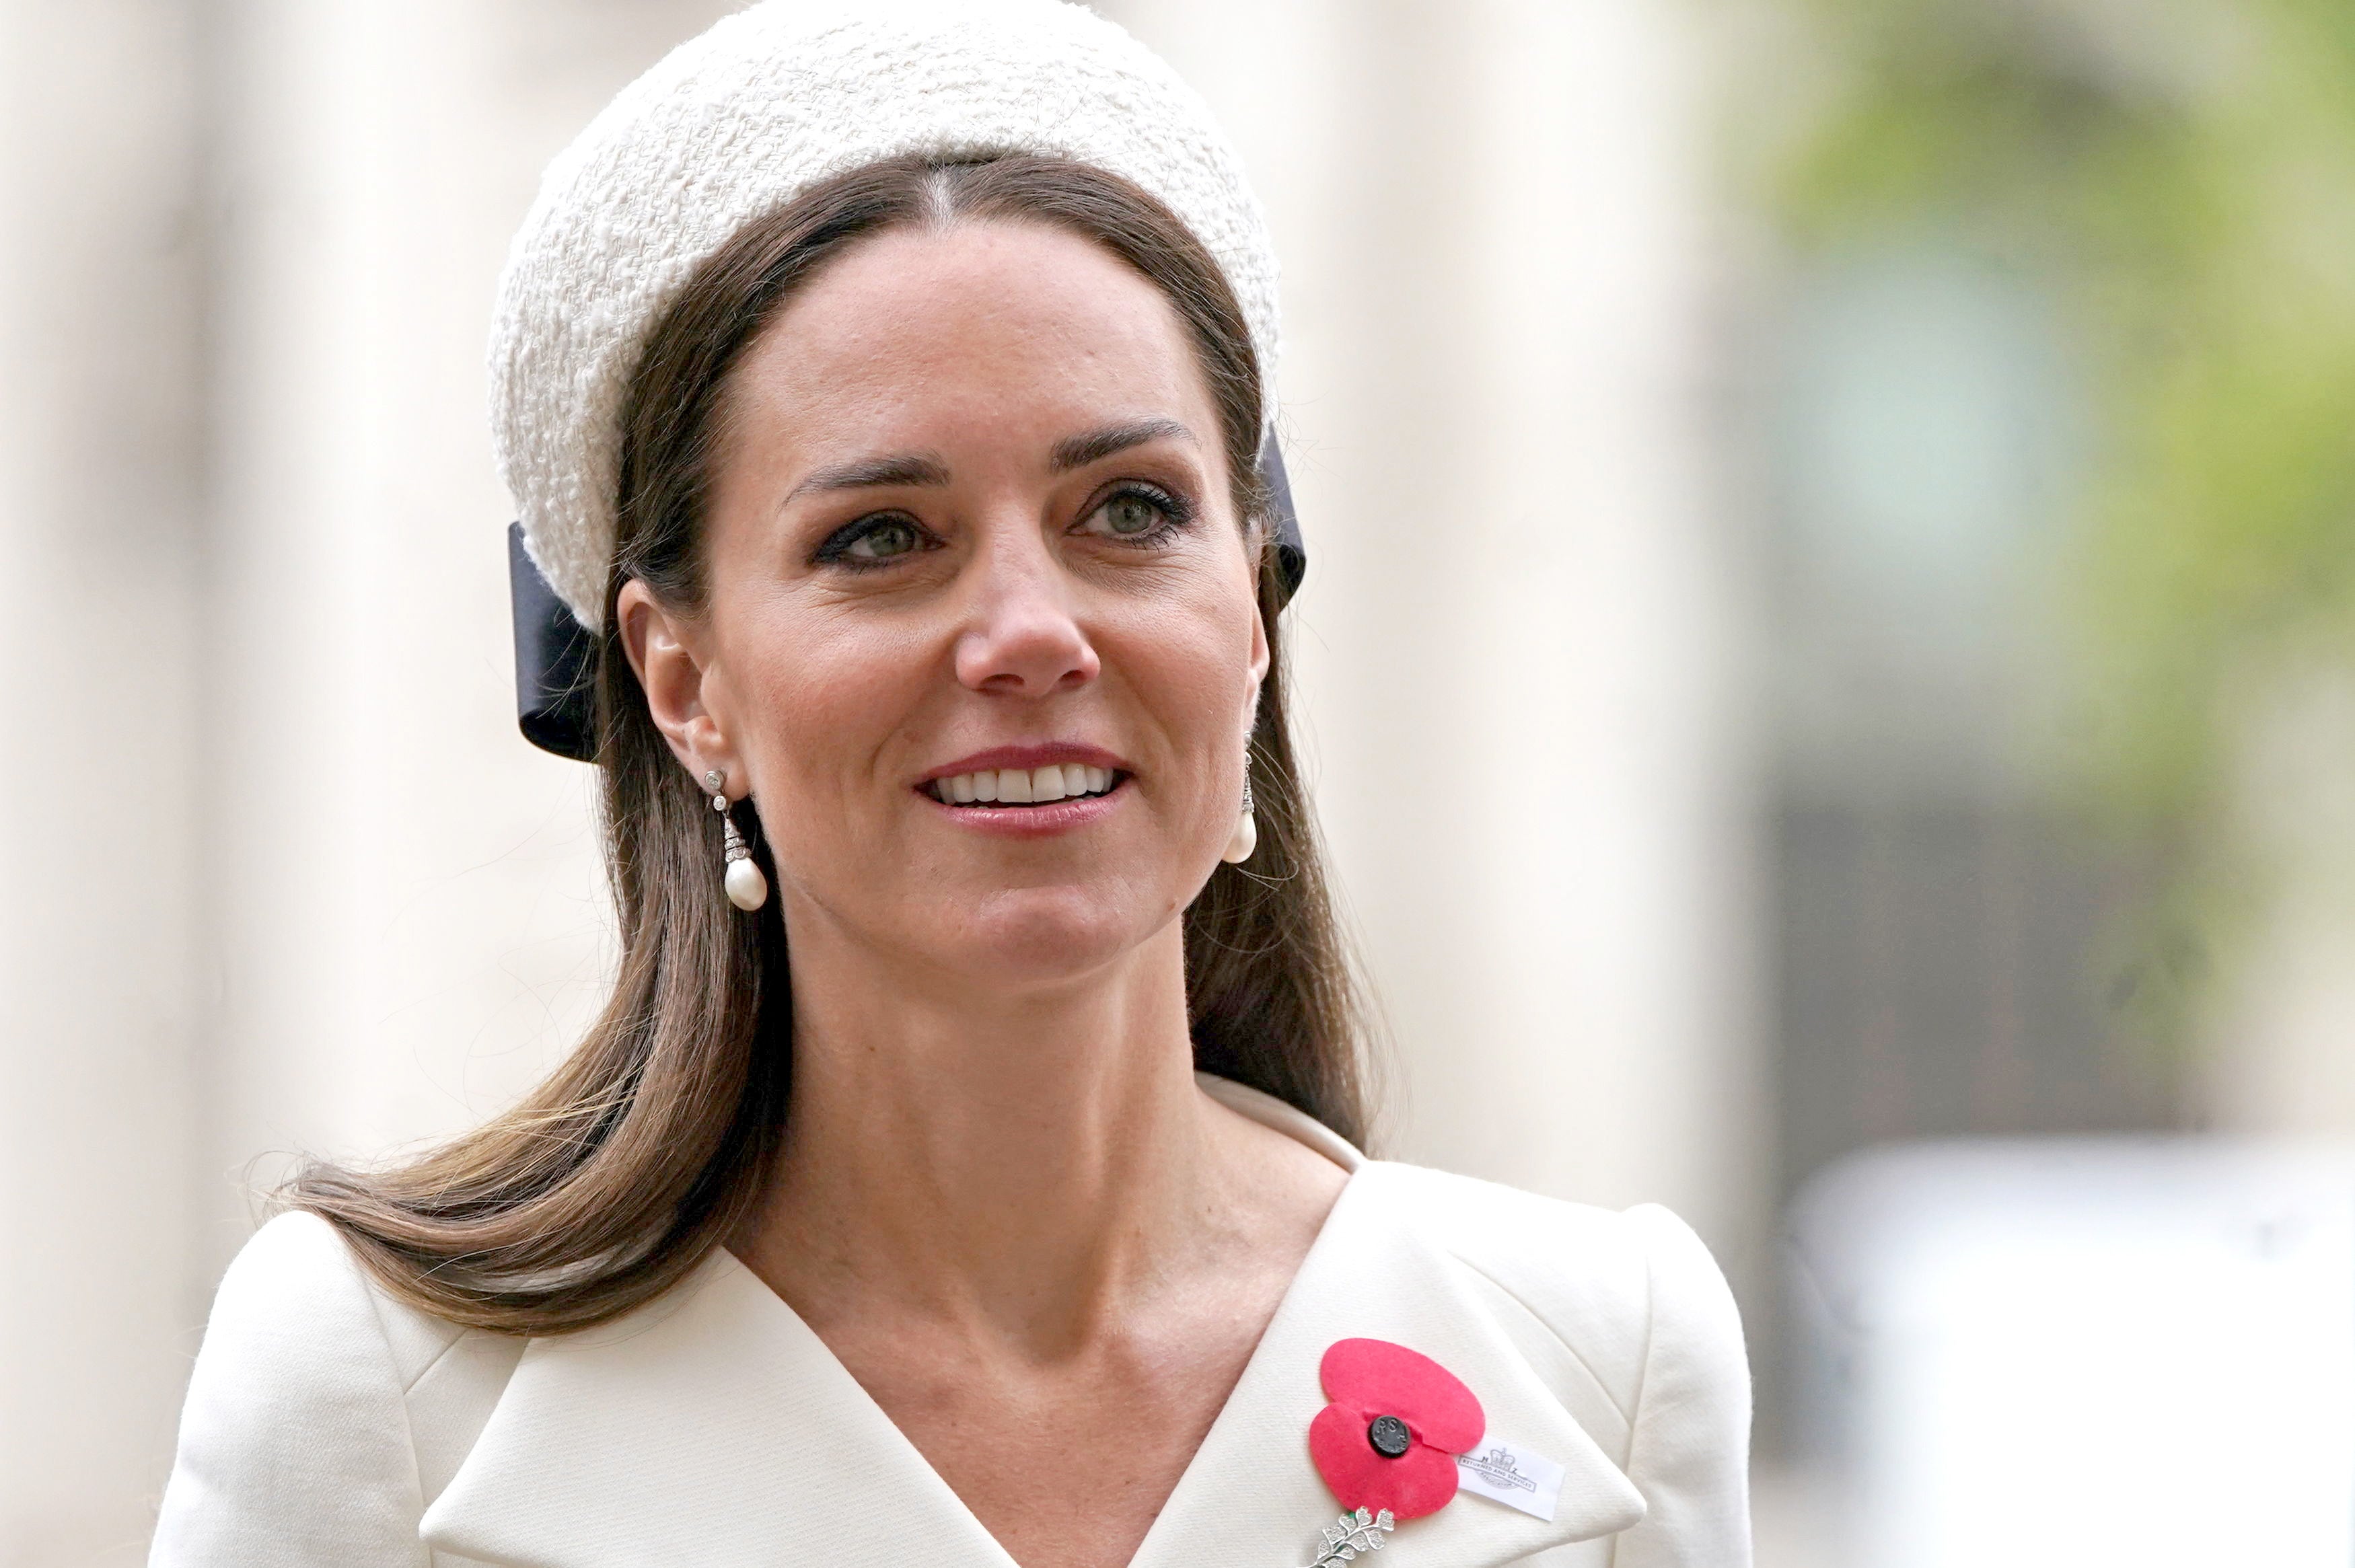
(971,543)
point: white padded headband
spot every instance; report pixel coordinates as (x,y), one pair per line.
(736,123)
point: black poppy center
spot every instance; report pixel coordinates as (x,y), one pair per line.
(1389,1435)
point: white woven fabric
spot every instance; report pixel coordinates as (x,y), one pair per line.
(740,120)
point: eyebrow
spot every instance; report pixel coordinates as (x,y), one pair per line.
(867,474)
(1078,452)
(928,469)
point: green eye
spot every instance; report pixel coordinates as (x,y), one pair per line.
(1136,515)
(883,539)
(1131,514)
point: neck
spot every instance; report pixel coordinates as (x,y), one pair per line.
(1017,1165)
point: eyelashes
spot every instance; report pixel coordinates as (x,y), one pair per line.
(874,542)
(1133,515)
(1139,515)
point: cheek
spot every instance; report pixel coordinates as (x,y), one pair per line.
(813,699)
(1189,667)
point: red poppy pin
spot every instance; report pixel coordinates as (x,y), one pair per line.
(1387,1443)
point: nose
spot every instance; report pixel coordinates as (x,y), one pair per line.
(1020,637)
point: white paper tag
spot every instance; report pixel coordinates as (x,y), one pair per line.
(1516,1476)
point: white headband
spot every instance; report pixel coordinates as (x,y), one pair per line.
(735,123)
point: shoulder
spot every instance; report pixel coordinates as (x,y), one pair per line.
(296,1304)
(1623,1287)
(299,1435)
(1627,1318)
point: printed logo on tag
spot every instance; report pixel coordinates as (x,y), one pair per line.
(1513,1475)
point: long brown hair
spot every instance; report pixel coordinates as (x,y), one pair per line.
(652,1141)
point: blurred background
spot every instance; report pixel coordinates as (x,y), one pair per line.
(1829,659)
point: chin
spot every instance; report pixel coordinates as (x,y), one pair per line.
(1039,936)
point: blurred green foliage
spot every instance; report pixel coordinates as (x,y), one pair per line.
(2180,177)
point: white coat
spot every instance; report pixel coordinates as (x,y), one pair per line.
(328,1426)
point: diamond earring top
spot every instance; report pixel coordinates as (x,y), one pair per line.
(745,885)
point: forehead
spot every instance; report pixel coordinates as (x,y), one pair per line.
(994,322)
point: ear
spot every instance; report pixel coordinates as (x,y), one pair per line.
(1260,541)
(667,652)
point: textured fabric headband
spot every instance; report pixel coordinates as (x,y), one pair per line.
(736,122)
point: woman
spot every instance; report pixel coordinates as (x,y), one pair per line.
(965,1169)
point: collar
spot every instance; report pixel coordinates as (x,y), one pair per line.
(714,1423)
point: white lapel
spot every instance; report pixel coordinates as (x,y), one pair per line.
(715,1426)
(712,1427)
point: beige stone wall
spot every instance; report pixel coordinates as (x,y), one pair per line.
(405,915)
(99,987)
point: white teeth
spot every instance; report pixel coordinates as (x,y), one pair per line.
(1056,781)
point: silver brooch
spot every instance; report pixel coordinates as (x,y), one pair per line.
(1356,1533)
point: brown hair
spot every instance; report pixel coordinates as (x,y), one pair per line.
(650,1143)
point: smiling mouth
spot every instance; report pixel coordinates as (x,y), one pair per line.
(1025,785)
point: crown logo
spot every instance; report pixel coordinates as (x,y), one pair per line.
(1497,1468)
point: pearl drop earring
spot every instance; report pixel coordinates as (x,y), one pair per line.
(747,888)
(1246,837)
